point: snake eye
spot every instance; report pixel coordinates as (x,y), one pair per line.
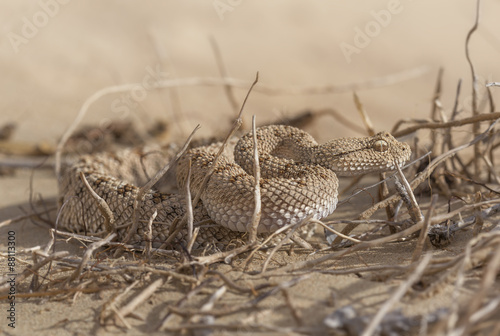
(380,145)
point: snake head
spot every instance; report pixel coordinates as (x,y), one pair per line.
(355,156)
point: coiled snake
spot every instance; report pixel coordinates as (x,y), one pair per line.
(298,180)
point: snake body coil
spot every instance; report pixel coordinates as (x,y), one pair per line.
(298,180)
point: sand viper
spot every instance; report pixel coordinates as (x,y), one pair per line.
(298,180)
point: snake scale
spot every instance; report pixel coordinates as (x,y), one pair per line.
(298,180)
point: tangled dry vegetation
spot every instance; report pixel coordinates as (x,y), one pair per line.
(457,190)
(467,185)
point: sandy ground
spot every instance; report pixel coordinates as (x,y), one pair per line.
(55,54)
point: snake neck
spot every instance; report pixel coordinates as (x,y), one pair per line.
(283,147)
(328,155)
(356,156)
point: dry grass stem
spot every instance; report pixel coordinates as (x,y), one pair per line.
(475,110)
(436,105)
(209,305)
(231,284)
(454,123)
(141,297)
(109,219)
(254,223)
(459,282)
(281,242)
(144,189)
(444,217)
(228,89)
(20,218)
(114,301)
(51,242)
(88,253)
(225,256)
(295,313)
(398,294)
(148,235)
(490,273)
(417,253)
(354,240)
(364,115)
(341,119)
(82,238)
(236,125)
(189,206)
(413,208)
(336,255)
(31,269)
(175,104)
(268,239)
(191,242)
(181,303)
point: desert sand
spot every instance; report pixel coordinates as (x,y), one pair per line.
(55,54)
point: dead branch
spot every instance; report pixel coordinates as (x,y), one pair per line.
(254,223)
(454,123)
(144,189)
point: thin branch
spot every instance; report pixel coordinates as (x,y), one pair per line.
(189,204)
(254,223)
(413,208)
(144,295)
(469,61)
(339,234)
(402,289)
(423,233)
(364,115)
(223,72)
(148,235)
(337,255)
(109,218)
(281,242)
(453,123)
(88,253)
(174,229)
(147,187)
(475,111)
(31,270)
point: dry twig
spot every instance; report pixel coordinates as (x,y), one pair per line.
(254,223)
(144,189)
(398,294)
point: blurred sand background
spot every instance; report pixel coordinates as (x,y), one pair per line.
(80,47)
